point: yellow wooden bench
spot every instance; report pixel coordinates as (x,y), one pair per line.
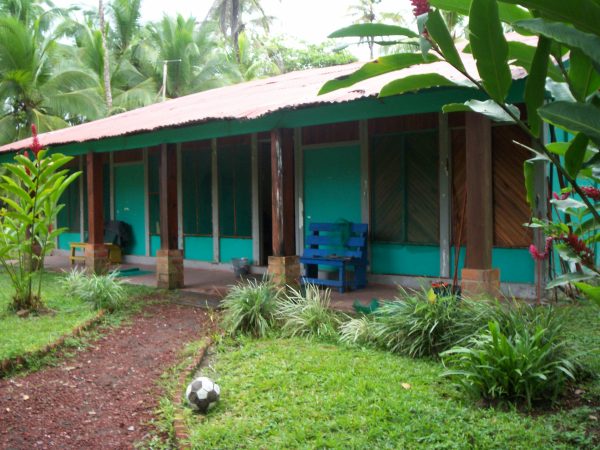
(115,255)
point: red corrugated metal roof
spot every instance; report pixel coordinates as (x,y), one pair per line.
(242,101)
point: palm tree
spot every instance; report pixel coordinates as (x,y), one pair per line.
(230,16)
(364,12)
(126,17)
(199,60)
(35,86)
(105,57)
(129,87)
(255,60)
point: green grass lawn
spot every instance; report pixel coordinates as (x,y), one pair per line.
(293,393)
(19,336)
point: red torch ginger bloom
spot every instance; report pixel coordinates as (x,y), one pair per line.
(420,7)
(579,246)
(538,255)
(35,146)
(591,192)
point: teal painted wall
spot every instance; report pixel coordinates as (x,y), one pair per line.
(66,238)
(200,248)
(154,244)
(515,264)
(235,248)
(416,260)
(332,185)
(129,203)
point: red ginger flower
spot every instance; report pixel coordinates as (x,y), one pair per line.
(35,146)
(579,246)
(538,255)
(591,192)
(420,7)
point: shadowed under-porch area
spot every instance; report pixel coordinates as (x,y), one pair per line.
(212,285)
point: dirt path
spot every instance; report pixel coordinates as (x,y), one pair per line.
(104,396)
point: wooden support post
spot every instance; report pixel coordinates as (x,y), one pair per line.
(96,252)
(478,276)
(169,259)
(284,265)
(445,184)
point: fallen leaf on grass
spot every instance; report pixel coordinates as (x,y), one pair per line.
(406,386)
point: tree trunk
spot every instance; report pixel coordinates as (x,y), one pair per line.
(107,90)
(235,28)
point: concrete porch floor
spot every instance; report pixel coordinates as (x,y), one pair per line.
(213,284)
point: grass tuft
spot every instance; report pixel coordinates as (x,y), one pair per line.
(307,314)
(250,308)
(101,291)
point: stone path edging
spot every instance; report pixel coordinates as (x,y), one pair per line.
(179,427)
(21,360)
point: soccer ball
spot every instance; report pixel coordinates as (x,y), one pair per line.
(201,393)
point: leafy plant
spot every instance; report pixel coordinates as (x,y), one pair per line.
(417,324)
(563,32)
(101,291)
(250,308)
(357,331)
(307,314)
(31,190)
(523,360)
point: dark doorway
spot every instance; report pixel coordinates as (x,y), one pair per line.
(265,200)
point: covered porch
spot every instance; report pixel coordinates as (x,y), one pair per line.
(242,172)
(209,286)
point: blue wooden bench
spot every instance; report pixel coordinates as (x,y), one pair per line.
(325,248)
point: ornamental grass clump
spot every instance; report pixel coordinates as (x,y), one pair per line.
(307,313)
(250,308)
(521,357)
(357,331)
(417,324)
(101,291)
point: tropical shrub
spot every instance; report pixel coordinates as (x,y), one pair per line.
(100,291)
(307,313)
(526,364)
(250,308)
(416,324)
(520,358)
(30,191)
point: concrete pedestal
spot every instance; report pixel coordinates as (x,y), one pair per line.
(285,270)
(169,269)
(480,282)
(96,258)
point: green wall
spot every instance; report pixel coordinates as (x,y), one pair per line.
(154,244)
(515,264)
(235,248)
(129,203)
(416,260)
(198,247)
(65,239)
(332,185)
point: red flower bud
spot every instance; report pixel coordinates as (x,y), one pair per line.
(35,146)
(591,192)
(536,254)
(420,7)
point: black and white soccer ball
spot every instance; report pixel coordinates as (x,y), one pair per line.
(201,393)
